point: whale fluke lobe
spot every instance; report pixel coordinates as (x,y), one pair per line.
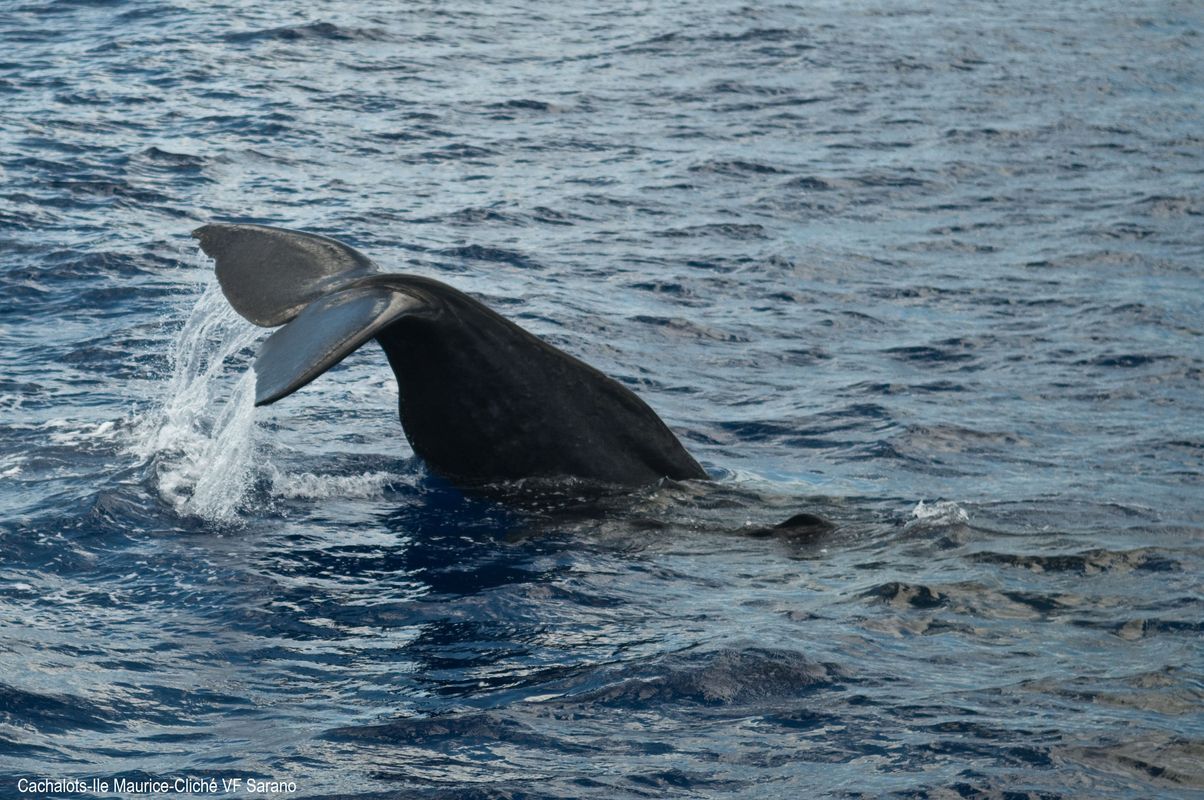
(481,400)
(322,335)
(269,274)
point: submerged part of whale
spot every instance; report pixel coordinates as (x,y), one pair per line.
(482,400)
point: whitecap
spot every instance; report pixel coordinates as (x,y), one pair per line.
(941,512)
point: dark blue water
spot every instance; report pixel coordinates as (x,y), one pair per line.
(930,270)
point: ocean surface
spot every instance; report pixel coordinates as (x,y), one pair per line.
(932,271)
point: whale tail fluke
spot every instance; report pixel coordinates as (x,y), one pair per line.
(270,274)
(323,334)
(316,285)
(481,400)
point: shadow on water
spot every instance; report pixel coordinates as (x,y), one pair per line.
(461,543)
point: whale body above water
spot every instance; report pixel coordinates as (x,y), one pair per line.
(482,400)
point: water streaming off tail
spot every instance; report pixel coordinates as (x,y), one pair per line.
(200,438)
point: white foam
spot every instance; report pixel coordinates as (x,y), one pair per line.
(310,486)
(76,433)
(942,512)
(10,466)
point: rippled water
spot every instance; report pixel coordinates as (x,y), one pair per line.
(932,271)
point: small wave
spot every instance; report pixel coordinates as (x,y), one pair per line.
(550,216)
(1162,759)
(1090,562)
(473,215)
(924,440)
(51,714)
(11,465)
(1124,360)
(810,183)
(761,35)
(67,265)
(904,595)
(154,162)
(453,729)
(452,152)
(737,168)
(882,180)
(495,254)
(314,30)
(932,387)
(724,677)
(1168,206)
(172,159)
(678,327)
(521,104)
(944,352)
(731,230)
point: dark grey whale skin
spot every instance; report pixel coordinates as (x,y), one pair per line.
(482,401)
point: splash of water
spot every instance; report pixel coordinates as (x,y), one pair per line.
(200,438)
(937,514)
